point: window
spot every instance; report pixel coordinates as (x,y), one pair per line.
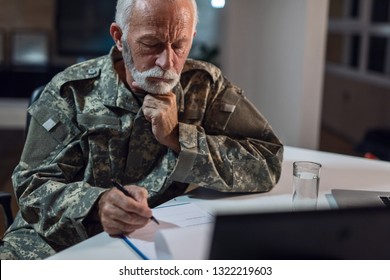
(30,48)
(358,41)
(83,27)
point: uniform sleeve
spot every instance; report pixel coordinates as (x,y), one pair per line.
(233,150)
(53,199)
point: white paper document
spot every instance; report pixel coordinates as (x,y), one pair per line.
(190,243)
(175,214)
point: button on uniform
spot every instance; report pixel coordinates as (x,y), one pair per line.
(91,71)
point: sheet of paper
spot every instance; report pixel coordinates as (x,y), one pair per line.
(173,214)
(190,243)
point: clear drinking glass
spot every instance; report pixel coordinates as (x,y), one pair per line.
(306,182)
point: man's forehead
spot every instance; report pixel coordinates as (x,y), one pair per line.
(160,12)
(158,22)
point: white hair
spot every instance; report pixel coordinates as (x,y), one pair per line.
(124,10)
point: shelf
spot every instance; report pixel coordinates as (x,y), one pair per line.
(372,78)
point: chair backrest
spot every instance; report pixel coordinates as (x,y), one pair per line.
(34,96)
(5,202)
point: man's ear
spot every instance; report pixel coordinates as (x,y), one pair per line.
(116,34)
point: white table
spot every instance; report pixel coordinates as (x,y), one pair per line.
(338,171)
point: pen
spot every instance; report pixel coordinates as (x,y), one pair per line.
(122,189)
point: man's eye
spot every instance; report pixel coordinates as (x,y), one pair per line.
(179,48)
(149,45)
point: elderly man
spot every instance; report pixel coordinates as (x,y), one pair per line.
(145,116)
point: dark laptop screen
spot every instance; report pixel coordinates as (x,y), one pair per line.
(362,233)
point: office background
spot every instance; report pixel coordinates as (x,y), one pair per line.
(318,69)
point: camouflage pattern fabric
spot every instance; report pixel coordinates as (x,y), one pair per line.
(84,132)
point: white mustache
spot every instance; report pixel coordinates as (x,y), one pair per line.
(157,72)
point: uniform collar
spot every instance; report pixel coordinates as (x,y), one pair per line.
(115,93)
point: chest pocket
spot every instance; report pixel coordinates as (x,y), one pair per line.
(103,145)
(144,151)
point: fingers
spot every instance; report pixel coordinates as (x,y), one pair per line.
(161,111)
(163,102)
(123,214)
(123,223)
(136,202)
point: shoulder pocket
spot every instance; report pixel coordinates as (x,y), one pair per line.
(234,114)
(56,122)
(223,108)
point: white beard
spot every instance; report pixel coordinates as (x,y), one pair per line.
(141,78)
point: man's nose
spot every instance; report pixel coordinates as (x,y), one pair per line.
(165,59)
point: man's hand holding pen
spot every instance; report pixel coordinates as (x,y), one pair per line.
(122,214)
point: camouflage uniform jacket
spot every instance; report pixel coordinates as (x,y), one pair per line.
(84,131)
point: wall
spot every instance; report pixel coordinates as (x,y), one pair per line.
(274,50)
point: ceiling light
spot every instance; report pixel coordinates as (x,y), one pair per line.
(218,3)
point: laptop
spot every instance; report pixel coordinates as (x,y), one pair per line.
(358,198)
(353,233)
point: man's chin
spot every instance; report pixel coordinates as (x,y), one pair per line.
(159,88)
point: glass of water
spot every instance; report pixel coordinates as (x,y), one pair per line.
(306,181)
